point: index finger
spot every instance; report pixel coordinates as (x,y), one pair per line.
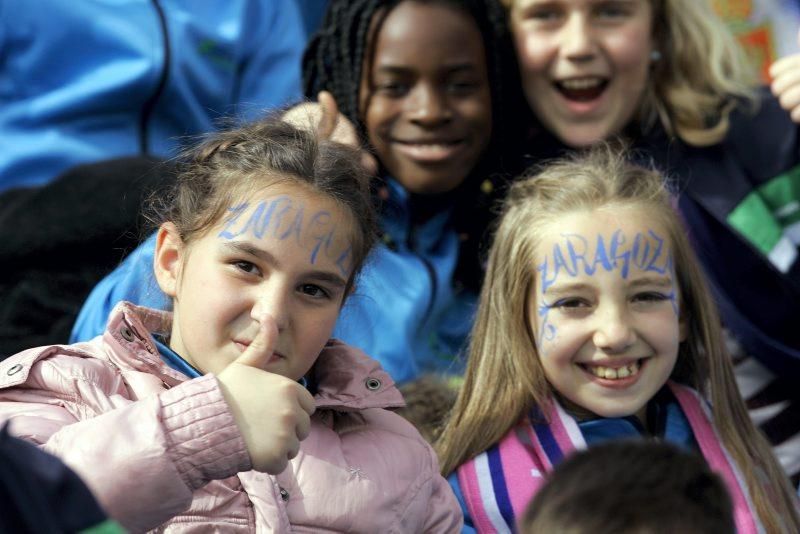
(258,353)
(306,401)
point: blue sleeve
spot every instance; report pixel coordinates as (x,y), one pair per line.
(271,73)
(454,485)
(133,280)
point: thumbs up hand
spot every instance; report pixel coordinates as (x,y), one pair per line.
(272,412)
(785,74)
(324,119)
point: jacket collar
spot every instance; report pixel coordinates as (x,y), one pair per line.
(346,379)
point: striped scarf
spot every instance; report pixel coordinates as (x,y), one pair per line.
(498,483)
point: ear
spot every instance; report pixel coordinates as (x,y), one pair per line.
(168,258)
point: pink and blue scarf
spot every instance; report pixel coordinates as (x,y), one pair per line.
(498,483)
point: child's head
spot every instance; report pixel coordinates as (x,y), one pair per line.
(264,220)
(590,69)
(592,293)
(631,487)
(426,82)
(592,287)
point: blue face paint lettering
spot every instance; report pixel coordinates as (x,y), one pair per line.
(547,332)
(296,226)
(601,257)
(346,256)
(321,219)
(618,239)
(578,257)
(280,212)
(260,230)
(546,281)
(252,223)
(236,212)
(668,259)
(286,218)
(559,262)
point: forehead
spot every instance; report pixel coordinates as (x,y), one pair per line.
(292,219)
(625,242)
(602,221)
(421,35)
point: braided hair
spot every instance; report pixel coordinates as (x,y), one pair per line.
(342,48)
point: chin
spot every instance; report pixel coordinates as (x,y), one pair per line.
(583,137)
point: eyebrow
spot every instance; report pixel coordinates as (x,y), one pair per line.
(389,68)
(658,281)
(244,247)
(559,289)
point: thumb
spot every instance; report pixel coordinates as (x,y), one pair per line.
(258,353)
(330,115)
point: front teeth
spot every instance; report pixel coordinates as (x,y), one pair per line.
(613,373)
(580,83)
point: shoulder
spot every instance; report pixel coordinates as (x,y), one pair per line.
(64,369)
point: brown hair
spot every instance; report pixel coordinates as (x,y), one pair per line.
(504,377)
(232,162)
(631,487)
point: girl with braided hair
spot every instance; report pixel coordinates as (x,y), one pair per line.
(431,90)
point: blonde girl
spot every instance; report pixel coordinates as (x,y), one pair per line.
(192,421)
(592,302)
(668,76)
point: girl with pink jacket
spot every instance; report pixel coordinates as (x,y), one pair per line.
(193,420)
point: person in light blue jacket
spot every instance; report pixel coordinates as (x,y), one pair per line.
(444,141)
(87,81)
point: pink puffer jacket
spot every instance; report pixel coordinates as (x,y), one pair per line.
(163,452)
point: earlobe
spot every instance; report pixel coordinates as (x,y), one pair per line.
(168,258)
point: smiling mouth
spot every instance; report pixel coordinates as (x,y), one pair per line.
(613,373)
(582,89)
(431,151)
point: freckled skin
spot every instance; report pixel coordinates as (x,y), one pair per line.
(607,316)
(249,265)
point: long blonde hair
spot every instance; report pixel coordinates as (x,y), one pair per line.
(702,75)
(504,377)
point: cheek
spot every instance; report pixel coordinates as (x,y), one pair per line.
(630,50)
(533,53)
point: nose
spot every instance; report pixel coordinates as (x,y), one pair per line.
(614,333)
(273,300)
(429,105)
(577,40)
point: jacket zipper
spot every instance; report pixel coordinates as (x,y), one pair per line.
(150,104)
